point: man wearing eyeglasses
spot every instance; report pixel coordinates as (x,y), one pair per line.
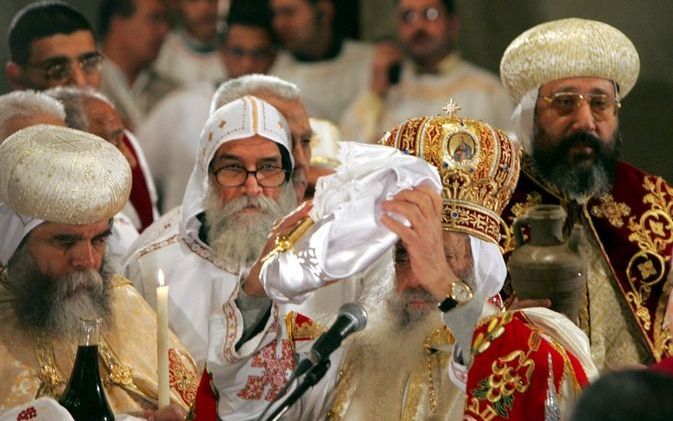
(417,74)
(568,78)
(241,183)
(52,44)
(170,133)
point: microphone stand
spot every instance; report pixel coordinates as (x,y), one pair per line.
(312,377)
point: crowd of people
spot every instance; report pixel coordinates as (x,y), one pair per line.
(204,157)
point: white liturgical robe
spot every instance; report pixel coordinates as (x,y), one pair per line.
(476,91)
(328,86)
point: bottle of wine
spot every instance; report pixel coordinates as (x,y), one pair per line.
(84,397)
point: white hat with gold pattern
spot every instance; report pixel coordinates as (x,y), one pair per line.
(57,174)
(568,48)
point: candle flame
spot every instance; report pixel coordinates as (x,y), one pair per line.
(160,277)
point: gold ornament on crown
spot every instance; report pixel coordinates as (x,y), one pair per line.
(478,164)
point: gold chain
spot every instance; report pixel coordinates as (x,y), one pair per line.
(432,393)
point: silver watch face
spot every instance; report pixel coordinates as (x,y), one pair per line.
(461,292)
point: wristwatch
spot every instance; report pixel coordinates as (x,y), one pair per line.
(460,294)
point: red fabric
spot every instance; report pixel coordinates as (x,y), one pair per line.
(664,366)
(140,193)
(205,403)
(508,380)
(635,233)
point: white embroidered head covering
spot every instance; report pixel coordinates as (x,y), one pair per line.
(57,174)
(562,49)
(240,119)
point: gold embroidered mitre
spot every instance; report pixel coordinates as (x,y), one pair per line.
(478,165)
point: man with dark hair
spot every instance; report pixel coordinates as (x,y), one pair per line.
(132,32)
(52,44)
(189,53)
(59,49)
(568,78)
(317,57)
(170,133)
(418,74)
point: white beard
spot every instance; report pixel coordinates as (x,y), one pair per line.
(389,351)
(238,237)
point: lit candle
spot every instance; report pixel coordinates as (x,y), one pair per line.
(162,339)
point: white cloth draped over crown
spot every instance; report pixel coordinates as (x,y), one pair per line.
(348,235)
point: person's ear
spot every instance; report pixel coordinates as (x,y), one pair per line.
(16,76)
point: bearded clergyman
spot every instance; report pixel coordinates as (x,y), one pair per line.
(569,78)
(433,347)
(59,190)
(241,183)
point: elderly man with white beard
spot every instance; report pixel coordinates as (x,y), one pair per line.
(59,190)
(427,309)
(240,184)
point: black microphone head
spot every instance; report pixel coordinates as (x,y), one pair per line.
(355,312)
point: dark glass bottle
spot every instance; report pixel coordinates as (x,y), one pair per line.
(84,397)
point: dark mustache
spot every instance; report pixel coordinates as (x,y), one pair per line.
(580,138)
(420,35)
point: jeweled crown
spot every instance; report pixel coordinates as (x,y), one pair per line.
(478,165)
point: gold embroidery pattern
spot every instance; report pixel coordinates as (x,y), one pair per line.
(440,337)
(181,379)
(475,185)
(51,380)
(495,329)
(508,243)
(653,234)
(510,374)
(613,211)
(306,331)
(663,345)
(344,389)
(119,373)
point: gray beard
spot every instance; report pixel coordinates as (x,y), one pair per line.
(385,306)
(51,307)
(236,237)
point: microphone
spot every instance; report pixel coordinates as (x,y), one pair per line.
(352,318)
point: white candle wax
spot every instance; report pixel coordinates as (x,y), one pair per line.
(162,339)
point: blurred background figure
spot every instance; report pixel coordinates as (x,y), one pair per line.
(627,395)
(329,69)
(60,43)
(52,44)
(20,109)
(90,111)
(189,52)
(132,32)
(417,74)
(171,132)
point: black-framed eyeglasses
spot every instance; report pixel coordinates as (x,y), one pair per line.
(602,106)
(429,14)
(236,176)
(59,69)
